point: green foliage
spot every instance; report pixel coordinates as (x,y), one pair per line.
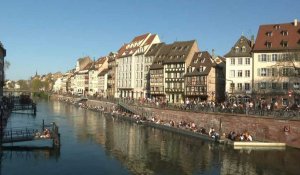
(36,85)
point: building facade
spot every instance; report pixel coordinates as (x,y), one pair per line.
(175,63)
(276,60)
(111,75)
(202,80)
(130,74)
(239,63)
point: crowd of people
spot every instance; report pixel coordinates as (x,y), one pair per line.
(182,124)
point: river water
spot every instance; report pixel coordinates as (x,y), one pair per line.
(94,144)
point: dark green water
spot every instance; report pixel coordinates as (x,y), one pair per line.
(94,144)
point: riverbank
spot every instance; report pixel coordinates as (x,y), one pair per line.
(261,128)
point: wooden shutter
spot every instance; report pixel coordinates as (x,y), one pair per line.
(258,72)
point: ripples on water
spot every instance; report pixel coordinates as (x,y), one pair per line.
(94,144)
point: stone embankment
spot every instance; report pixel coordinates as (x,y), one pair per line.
(261,128)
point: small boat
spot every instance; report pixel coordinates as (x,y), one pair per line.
(256,145)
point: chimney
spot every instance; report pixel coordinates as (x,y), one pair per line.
(252,40)
(295,22)
(213,53)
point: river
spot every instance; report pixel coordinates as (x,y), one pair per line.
(94,144)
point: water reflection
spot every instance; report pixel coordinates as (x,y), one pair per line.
(146,150)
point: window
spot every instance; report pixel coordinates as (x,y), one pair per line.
(285,85)
(240,73)
(263,85)
(269,33)
(239,86)
(240,61)
(297,85)
(274,72)
(285,72)
(247,73)
(232,61)
(248,61)
(247,86)
(203,60)
(268,44)
(243,49)
(263,57)
(274,57)
(232,86)
(263,72)
(274,85)
(284,33)
(236,49)
(284,43)
(276,27)
(232,73)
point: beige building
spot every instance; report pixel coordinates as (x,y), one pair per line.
(276,64)
(81,76)
(204,78)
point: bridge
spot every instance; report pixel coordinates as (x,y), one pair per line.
(46,132)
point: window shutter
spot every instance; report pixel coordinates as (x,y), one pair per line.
(268,58)
(259,58)
(258,72)
(280,71)
(268,72)
(275,72)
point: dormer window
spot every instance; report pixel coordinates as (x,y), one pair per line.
(203,60)
(236,49)
(284,43)
(179,48)
(269,33)
(284,33)
(277,27)
(268,44)
(196,60)
(243,49)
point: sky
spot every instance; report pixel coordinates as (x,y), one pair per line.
(49,36)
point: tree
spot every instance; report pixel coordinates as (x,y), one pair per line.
(6,64)
(36,85)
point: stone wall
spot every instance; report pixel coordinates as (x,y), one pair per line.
(261,128)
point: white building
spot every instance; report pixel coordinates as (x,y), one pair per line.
(57,87)
(98,66)
(130,72)
(239,64)
(276,56)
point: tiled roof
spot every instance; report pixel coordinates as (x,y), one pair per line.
(139,38)
(201,59)
(179,51)
(154,49)
(279,37)
(242,48)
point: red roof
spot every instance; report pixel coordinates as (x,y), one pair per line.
(278,37)
(139,38)
(150,39)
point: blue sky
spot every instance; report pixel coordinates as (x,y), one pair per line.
(49,36)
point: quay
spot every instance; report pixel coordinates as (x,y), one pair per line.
(262,128)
